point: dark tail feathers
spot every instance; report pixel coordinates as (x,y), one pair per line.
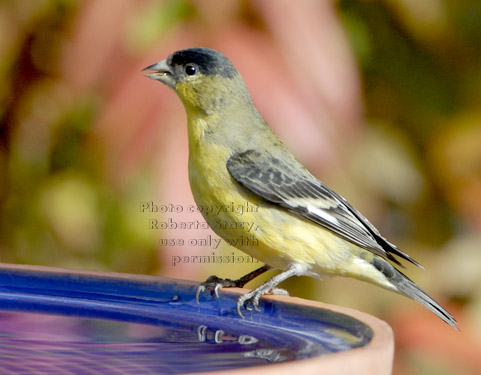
(411,290)
(405,286)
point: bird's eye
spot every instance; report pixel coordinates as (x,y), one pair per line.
(190,69)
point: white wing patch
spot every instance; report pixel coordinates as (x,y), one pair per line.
(323,215)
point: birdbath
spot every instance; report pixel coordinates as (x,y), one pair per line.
(58,321)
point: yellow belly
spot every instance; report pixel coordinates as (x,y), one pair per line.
(263,230)
(274,235)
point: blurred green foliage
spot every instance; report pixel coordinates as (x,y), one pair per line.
(56,206)
(422,78)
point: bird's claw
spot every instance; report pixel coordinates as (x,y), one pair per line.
(214,284)
(251,300)
(199,290)
(216,289)
(202,288)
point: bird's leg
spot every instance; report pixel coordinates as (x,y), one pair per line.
(215,283)
(251,300)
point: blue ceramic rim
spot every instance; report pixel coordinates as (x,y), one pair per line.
(153,300)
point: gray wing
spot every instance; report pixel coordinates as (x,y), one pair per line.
(285,184)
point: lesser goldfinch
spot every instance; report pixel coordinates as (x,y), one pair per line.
(302,227)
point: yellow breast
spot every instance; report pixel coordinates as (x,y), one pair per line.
(261,229)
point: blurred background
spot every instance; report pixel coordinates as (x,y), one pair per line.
(380,99)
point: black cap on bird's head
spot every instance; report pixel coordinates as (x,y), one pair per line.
(208,61)
(189,62)
(202,77)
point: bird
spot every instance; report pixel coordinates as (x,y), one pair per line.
(302,227)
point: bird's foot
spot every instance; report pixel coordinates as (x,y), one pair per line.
(214,283)
(251,300)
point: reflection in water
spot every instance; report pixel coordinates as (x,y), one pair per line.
(67,323)
(47,344)
(218,336)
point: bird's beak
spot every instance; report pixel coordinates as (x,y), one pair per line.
(161,72)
